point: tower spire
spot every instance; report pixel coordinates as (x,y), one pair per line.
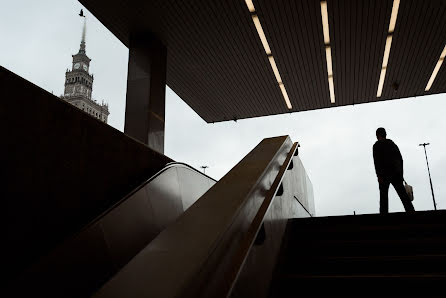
(84,30)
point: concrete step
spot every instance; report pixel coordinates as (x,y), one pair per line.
(392,255)
(353,247)
(368,285)
(403,265)
(419,217)
(365,231)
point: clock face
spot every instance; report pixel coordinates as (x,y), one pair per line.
(77,65)
(85,67)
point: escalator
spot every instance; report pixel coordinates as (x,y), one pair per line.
(90,212)
(78,266)
(227,242)
(181,234)
(70,233)
(258,237)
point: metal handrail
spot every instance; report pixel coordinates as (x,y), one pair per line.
(139,187)
(257,222)
(303,206)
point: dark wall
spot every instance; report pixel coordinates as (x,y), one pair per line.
(61,168)
(81,265)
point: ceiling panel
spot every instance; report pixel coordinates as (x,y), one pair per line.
(216,62)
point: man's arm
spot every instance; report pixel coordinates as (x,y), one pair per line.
(377,159)
(400,159)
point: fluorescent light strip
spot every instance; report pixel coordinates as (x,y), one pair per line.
(328,58)
(329,62)
(250,5)
(324,13)
(331,86)
(382,76)
(395,7)
(285,95)
(434,74)
(443,54)
(275,69)
(436,70)
(262,36)
(387,51)
(265,44)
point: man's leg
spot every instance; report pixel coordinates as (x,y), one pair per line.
(401,191)
(384,196)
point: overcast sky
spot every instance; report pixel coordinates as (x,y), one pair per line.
(39,37)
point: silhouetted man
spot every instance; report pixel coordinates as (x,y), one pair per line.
(389,169)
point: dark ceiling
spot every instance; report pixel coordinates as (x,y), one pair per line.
(216,62)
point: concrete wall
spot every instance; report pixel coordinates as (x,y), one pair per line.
(61,168)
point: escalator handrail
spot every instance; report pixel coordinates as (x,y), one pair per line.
(257,222)
(168,166)
(176,163)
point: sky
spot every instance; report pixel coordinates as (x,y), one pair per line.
(39,37)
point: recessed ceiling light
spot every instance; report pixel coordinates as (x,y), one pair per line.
(275,69)
(324,13)
(328,57)
(382,76)
(393,17)
(436,70)
(434,74)
(250,5)
(395,7)
(285,96)
(443,54)
(387,51)
(331,87)
(329,62)
(262,36)
(265,44)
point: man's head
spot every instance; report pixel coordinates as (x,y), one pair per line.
(381,133)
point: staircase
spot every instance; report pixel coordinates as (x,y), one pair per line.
(394,255)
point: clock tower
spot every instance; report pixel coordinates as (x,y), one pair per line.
(79,84)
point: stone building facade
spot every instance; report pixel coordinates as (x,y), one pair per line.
(79,85)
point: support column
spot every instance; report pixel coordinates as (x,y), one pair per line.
(146,91)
